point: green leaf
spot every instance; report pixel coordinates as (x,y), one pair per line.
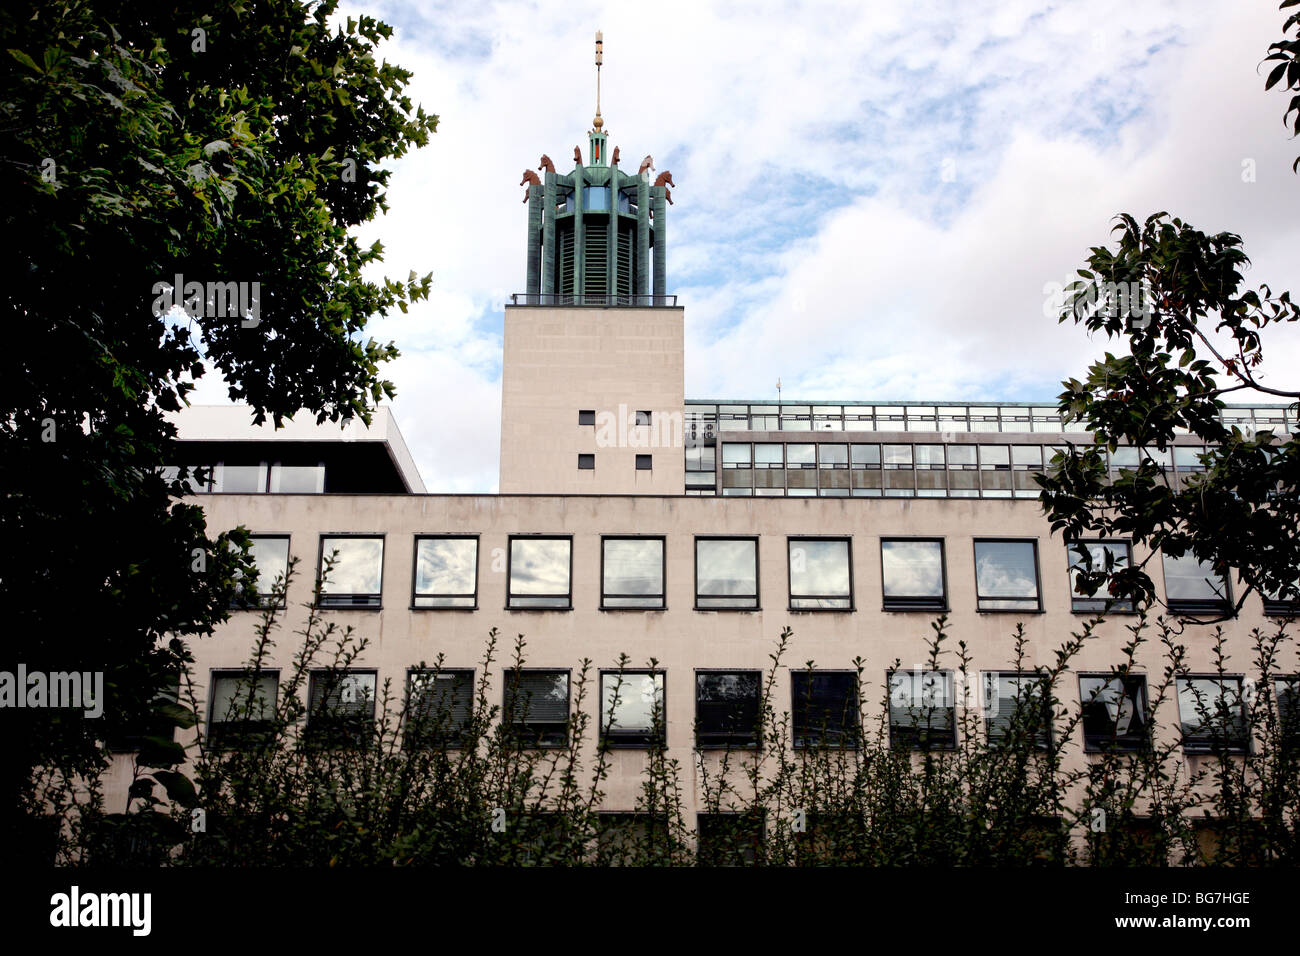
(179,787)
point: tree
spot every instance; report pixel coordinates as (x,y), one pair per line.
(1288,70)
(236,146)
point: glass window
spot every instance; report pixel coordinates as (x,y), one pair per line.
(1017,707)
(825,711)
(1026,462)
(536,707)
(595,198)
(356,575)
(587,416)
(930,471)
(1094,557)
(730,839)
(1285,601)
(1114,712)
(1006,575)
(632,708)
(1192,587)
(1187,458)
(632,571)
(900,478)
(341,708)
(801,456)
(913,574)
(921,418)
(922,710)
(735,454)
(820,576)
(198,478)
(446,572)
(726,573)
(539,573)
(727,708)
(833,456)
(439,705)
(243,706)
(239,479)
(644,462)
(866,478)
(586,462)
(1212,713)
(995,471)
(768,455)
(643,417)
(297,479)
(963,472)
(1286,691)
(796,418)
(271,555)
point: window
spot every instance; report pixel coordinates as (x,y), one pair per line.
(1286,691)
(631,839)
(1192,587)
(632,708)
(271,555)
(297,479)
(727,708)
(446,572)
(341,708)
(930,478)
(540,571)
(1017,706)
(726,574)
(730,839)
(1090,558)
(995,470)
(825,711)
(595,198)
(439,705)
(586,462)
(644,462)
(198,478)
(1283,602)
(586,416)
(1006,576)
(536,707)
(240,479)
(912,573)
(821,574)
(963,472)
(1114,712)
(632,573)
(354,578)
(242,708)
(1212,714)
(643,418)
(922,710)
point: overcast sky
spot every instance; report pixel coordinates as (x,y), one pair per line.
(870,200)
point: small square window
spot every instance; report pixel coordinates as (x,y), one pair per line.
(825,708)
(355,579)
(726,574)
(727,712)
(1114,712)
(587,416)
(643,418)
(1006,576)
(1192,587)
(439,705)
(586,462)
(536,707)
(242,710)
(446,573)
(644,462)
(912,574)
(632,573)
(1017,707)
(632,709)
(922,710)
(539,573)
(1212,713)
(820,574)
(341,708)
(1090,559)
(270,554)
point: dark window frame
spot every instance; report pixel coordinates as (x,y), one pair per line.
(586,461)
(263,598)
(1038,577)
(1121,605)
(214,737)
(914,602)
(896,741)
(353,605)
(321,734)
(789,577)
(453,739)
(633,739)
(415,570)
(758,566)
(540,741)
(1115,742)
(663,573)
(722,739)
(510,557)
(813,738)
(584,414)
(1197,607)
(747,827)
(644,463)
(643,418)
(1206,744)
(1048,740)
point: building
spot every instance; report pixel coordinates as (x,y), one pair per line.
(633,520)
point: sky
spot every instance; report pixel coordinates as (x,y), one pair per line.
(872,202)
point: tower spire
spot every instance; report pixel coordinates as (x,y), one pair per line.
(600,56)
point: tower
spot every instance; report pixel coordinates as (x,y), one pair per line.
(593,372)
(597,235)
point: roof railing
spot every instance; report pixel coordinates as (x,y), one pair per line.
(570,300)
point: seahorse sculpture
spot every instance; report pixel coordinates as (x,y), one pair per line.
(665,179)
(615,155)
(647,163)
(531,179)
(577,155)
(546,164)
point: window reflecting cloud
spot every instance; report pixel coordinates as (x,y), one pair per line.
(912,568)
(358,567)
